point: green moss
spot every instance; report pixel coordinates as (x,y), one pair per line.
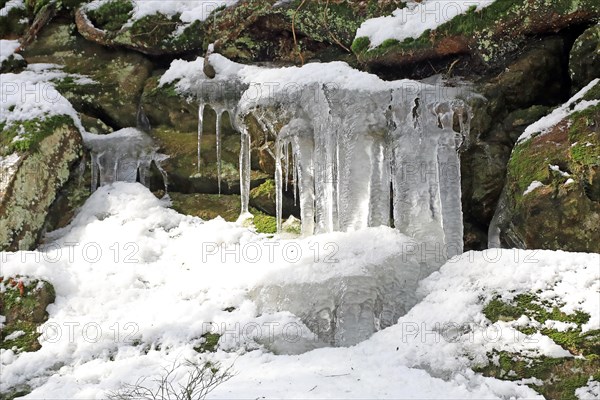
(23,313)
(210,343)
(360,44)
(492,30)
(585,149)
(264,223)
(560,376)
(30,133)
(111,16)
(265,189)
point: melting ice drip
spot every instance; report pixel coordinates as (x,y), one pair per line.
(352,155)
(125,155)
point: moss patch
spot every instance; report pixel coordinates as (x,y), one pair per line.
(23,302)
(112,15)
(209,343)
(26,135)
(560,377)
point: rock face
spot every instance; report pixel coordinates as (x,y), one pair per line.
(34,182)
(514,99)
(117,78)
(249,31)
(552,194)
(485,37)
(584,63)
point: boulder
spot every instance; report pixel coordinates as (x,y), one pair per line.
(116,78)
(584,62)
(30,183)
(514,98)
(552,195)
(484,39)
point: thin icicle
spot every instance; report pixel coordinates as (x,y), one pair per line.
(295,175)
(200,129)
(218,140)
(278,183)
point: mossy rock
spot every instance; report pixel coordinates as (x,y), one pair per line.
(564,213)
(164,106)
(228,207)
(489,35)
(584,63)
(23,302)
(263,198)
(256,30)
(157,34)
(514,98)
(207,206)
(118,77)
(559,377)
(48,149)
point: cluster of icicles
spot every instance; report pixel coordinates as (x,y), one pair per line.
(127,155)
(355,158)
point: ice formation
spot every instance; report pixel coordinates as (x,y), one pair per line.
(125,155)
(353,147)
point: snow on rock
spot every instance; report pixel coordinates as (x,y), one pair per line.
(188,10)
(575,104)
(7,49)
(532,186)
(31,94)
(414,19)
(137,285)
(9,5)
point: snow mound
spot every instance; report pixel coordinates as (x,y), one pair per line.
(138,284)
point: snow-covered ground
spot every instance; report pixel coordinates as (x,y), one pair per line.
(137,284)
(415,18)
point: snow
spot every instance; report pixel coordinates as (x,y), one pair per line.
(8,167)
(7,49)
(188,10)
(14,335)
(9,5)
(137,284)
(589,392)
(575,104)
(532,186)
(31,94)
(413,20)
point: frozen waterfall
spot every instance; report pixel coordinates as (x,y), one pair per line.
(358,151)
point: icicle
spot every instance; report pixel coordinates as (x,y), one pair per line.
(95,172)
(200,128)
(286,168)
(245,170)
(218,140)
(278,183)
(294,174)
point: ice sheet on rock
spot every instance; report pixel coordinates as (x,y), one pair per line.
(122,156)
